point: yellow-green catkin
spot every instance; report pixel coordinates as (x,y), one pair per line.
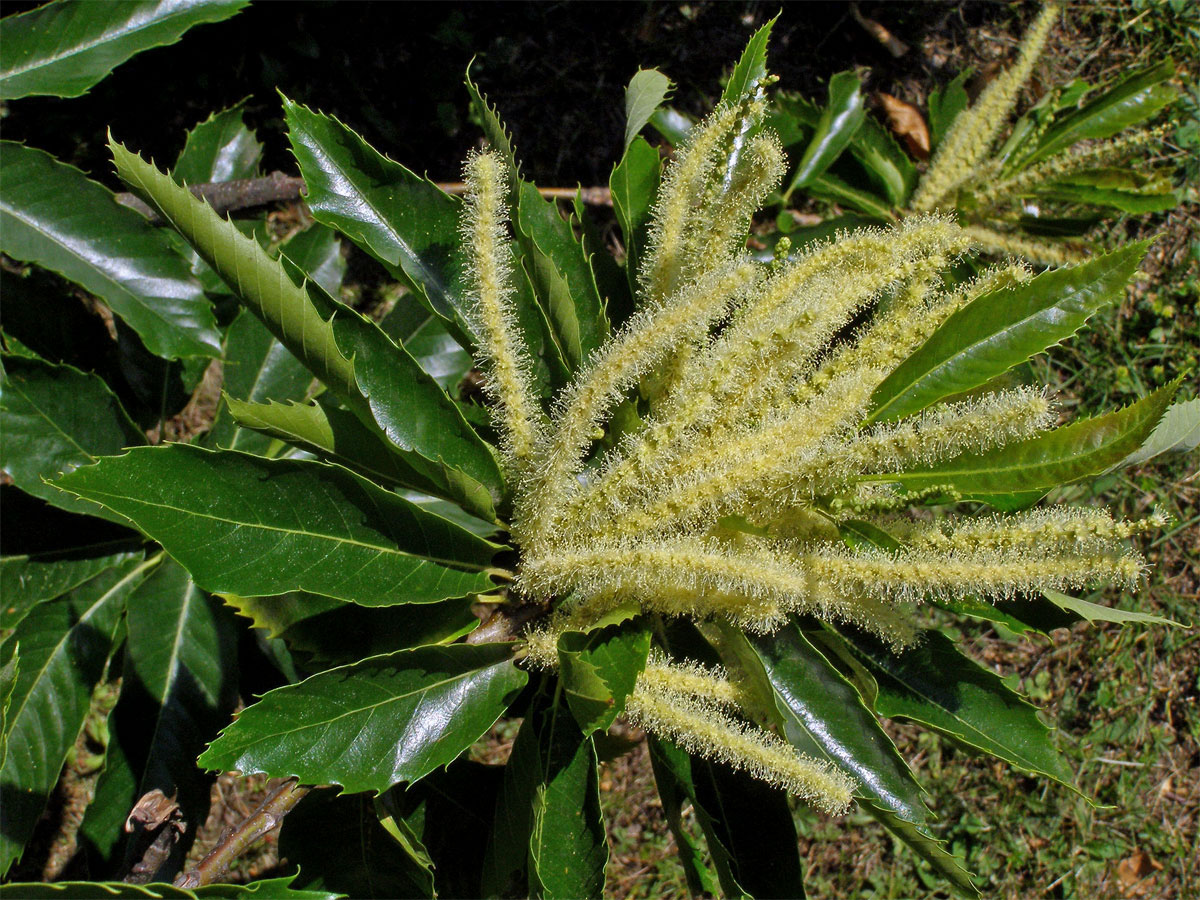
(974,130)
(1043,253)
(702,728)
(491,315)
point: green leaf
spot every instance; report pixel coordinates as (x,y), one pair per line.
(332,434)
(388,387)
(1094,612)
(1002,329)
(672,124)
(933,683)
(598,671)
(317,252)
(634,185)
(376,723)
(1177,432)
(438,353)
(26,581)
(645,93)
(930,849)
(53,215)
(8,683)
(63,49)
(833,189)
(1056,457)
(404,221)
(180,686)
(673,779)
(330,632)
(945,105)
(251,526)
(56,419)
(840,120)
(823,716)
(1134,202)
(257,368)
(548,822)
(1135,99)
(342,846)
(64,646)
(221,148)
(749,76)
(269,889)
(562,274)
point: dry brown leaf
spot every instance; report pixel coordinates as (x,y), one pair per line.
(908,124)
(1134,869)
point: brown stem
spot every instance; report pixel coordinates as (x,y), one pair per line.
(268,815)
(245,193)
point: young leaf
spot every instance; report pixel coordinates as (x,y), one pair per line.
(64,645)
(1135,99)
(1002,329)
(1177,432)
(56,419)
(598,671)
(634,185)
(840,120)
(63,49)
(376,723)
(221,148)
(1094,612)
(750,73)
(1056,457)
(933,683)
(283,525)
(53,215)
(645,93)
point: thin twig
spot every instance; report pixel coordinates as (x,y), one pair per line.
(246,193)
(268,815)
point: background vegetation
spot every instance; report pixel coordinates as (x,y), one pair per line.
(1126,700)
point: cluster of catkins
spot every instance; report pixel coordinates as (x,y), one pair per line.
(755,387)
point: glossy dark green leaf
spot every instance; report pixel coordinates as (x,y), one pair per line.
(256,368)
(63,49)
(673,779)
(945,105)
(549,838)
(1133,100)
(840,120)
(750,73)
(56,419)
(283,525)
(933,683)
(1056,457)
(268,889)
(27,580)
(438,353)
(342,847)
(404,221)
(598,671)
(10,667)
(1002,329)
(672,124)
(822,716)
(180,678)
(53,215)
(221,148)
(646,91)
(634,185)
(64,646)
(562,275)
(376,723)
